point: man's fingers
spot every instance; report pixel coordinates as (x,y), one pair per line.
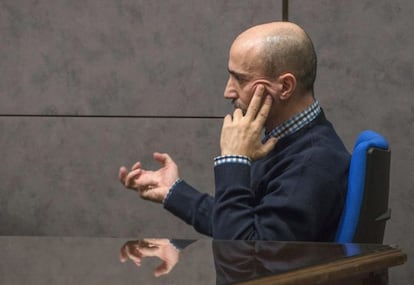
(237,114)
(146,181)
(162,269)
(136,165)
(130,178)
(134,257)
(227,120)
(162,158)
(264,110)
(255,103)
(122,254)
(122,174)
(128,252)
(138,179)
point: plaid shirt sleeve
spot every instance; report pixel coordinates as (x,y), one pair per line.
(232,159)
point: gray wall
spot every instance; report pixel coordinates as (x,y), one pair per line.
(87,86)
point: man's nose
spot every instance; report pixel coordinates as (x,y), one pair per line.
(229,91)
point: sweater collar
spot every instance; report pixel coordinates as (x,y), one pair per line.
(295,123)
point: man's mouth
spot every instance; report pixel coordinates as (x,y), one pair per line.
(237,105)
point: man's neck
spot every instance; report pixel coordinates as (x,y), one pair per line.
(288,110)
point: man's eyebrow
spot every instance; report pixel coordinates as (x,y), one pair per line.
(237,75)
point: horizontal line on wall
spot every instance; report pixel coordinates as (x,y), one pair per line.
(110,116)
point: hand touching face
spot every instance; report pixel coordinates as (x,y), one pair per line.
(241,133)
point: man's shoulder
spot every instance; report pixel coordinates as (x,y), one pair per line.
(318,144)
(322,144)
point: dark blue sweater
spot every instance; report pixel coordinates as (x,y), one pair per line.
(296,192)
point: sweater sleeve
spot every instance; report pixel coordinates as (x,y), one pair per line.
(192,206)
(298,204)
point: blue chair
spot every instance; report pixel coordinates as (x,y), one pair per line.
(366,206)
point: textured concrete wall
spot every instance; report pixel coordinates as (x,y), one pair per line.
(70,73)
(365,81)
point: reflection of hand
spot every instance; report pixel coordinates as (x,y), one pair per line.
(161,248)
(151,185)
(241,134)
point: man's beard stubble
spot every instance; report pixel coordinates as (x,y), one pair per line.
(238,105)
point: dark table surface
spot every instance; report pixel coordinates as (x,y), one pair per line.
(80,260)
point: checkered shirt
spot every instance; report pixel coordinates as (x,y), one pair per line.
(295,123)
(289,127)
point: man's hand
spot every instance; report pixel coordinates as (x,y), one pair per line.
(151,185)
(241,135)
(161,248)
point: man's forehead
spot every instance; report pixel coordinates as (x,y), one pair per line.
(243,58)
(247,44)
(237,65)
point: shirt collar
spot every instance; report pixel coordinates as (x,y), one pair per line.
(295,123)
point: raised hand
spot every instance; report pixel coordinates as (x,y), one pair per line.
(241,134)
(151,185)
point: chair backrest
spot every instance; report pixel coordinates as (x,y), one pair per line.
(366,206)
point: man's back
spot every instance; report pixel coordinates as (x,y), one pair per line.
(305,179)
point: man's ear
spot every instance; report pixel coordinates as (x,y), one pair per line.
(287,83)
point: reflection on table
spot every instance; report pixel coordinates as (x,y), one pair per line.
(48,260)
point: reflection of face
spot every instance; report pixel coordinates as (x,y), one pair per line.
(243,76)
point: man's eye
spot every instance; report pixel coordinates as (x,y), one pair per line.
(239,79)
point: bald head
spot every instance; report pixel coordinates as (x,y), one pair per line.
(281,47)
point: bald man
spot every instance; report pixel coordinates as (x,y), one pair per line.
(289,184)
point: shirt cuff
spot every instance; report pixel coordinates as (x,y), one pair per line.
(171,189)
(232,159)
